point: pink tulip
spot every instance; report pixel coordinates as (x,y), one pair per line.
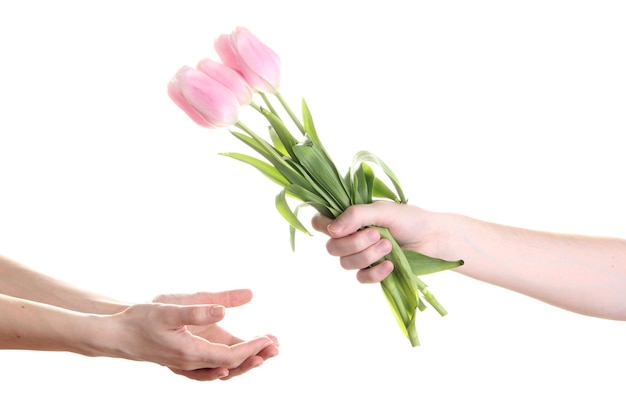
(229,78)
(256,62)
(205,100)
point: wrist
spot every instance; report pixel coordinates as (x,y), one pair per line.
(98,336)
(444,235)
(107,306)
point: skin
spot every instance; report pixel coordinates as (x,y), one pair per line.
(582,274)
(178,331)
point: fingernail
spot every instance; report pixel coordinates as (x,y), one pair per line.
(372,235)
(385,247)
(217,311)
(268,341)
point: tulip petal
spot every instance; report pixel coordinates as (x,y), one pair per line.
(225,52)
(229,78)
(216,103)
(258,64)
(173,90)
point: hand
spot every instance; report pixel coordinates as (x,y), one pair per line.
(216,334)
(358,246)
(180,332)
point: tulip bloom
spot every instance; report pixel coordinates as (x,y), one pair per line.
(229,78)
(255,61)
(205,100)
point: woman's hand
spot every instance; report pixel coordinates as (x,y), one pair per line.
(180,332)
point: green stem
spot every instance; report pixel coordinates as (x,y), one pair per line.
(405,295)
(248,130)
(404,288)
(405,315)
(290,113)
(430,297)
(256,107)
(268,104)
(399,259)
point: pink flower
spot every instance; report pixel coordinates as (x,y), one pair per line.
(205,100)
(228,77)
(256,62)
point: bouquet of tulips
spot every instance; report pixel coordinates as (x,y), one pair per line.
(295,159)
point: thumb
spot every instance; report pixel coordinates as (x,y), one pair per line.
(199,315)
(356,217)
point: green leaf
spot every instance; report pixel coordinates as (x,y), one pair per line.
(258,144)
(266,169)
(283,208)
(292,229)
(309,126)
(315,188)
(365,156)
(362,184)
(322,169)
(381,190)
(423,265)
(284,135)
(280,162)
(276,142)
(314,200)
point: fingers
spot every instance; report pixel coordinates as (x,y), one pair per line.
(203,374)
(356,243)
(271,350)
(256,360)
(359,250)
(320,223)
(175,317)
(186,339)
(224,374)
(234,356)
(367,257)
(232,298)
(375,274)
(358,216)
(357,246)
(202,353)
(250,363)
(351,220)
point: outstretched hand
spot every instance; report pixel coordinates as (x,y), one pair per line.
(180,331)
(231,355)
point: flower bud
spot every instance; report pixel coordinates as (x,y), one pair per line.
(256,62)
(205,100)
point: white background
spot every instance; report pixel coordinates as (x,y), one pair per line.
(511,112)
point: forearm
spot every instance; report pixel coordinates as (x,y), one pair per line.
(30,325)
(578,273)
(21,282)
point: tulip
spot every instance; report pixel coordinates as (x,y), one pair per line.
(229,78)
(205,100)
(255,61)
